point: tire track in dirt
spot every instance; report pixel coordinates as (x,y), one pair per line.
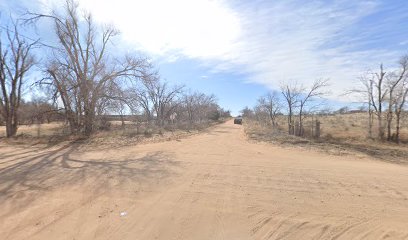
(214,185)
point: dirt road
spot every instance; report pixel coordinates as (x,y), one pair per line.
(214,185)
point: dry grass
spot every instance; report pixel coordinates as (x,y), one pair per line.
(38,130)
(353,127)
(340,134)
(117,135)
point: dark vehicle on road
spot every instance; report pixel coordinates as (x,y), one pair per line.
(238,120)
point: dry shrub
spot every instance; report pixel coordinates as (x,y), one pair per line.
(104,124)
(334,139)
(148,132)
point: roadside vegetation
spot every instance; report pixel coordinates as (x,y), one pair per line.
(298,115)
(84,88)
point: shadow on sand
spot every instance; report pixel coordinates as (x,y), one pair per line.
(25,175)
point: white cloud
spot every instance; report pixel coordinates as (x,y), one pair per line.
(404,42)
(270,41)
(200,28)
(289,41)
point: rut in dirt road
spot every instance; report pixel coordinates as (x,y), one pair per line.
(215,185)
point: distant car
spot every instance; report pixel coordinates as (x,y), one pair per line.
(238,120)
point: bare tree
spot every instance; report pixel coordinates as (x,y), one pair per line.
(138,97)
(247,112)
(394,80)
(271,105)
(170,102)
(196,105)
(399,103)
(375,92)
(38,110)
(82,71)
(384,90)
(378,94)
(207,107)
(316,90)
(162,98)
(16,60)
(291,93)
(190,102)
(199,107)
(368,95)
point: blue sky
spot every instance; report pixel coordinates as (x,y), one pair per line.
(239,50)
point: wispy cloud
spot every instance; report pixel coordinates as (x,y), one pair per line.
(294,40)
(269,41)
(403,43)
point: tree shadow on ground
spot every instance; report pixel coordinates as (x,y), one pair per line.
(23,178)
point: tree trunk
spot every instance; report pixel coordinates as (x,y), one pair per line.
(370,123)
(11,125)
(122,120)
(380,126)
(389,122)
(300,130)
(397,127)
(290,123)
(72,121)
(89,122)
(8,128)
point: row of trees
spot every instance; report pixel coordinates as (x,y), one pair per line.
(295,100)
(36,111)
(384,95)
(86,79)
(302,99)
(161,103)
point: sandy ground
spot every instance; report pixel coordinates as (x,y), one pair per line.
(214,185)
